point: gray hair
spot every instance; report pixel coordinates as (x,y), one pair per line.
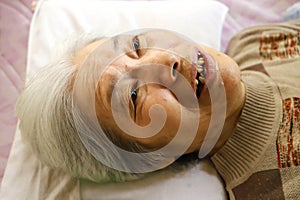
(47,123)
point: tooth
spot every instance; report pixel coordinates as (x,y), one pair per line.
(197,82)
(200,69)
(200,62)
(202,80)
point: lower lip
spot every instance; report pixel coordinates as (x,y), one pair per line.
(211,69)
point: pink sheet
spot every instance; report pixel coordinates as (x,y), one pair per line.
(14,28)
(243,14)
(14,25)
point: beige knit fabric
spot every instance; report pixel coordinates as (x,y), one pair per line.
(261,159)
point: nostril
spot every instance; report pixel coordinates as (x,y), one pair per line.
(174,68)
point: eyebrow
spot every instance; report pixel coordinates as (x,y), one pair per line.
(122,92)
(122,97)
(111,87)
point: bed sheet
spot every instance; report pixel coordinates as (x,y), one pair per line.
(15,16)
(247,13)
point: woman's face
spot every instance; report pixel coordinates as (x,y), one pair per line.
(152,68)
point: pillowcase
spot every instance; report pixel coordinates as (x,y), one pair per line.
(56,20)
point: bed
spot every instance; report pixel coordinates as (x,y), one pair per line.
(14,30)
(15,17)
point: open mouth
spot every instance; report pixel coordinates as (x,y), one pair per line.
(201,74)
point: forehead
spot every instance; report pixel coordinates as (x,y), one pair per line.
(81,55)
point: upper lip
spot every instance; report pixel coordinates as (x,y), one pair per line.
(197,72)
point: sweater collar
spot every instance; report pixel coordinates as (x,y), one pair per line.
(256,128)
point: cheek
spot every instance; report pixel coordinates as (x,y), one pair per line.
(230,73)
(159,99)
(168,102)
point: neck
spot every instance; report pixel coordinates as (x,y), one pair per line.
(254,133)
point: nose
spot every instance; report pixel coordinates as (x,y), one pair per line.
(170,66)
(174,64)
(167,66)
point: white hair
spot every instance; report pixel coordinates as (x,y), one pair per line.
(47,123)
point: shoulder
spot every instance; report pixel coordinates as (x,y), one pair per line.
(265,43)
(273,50)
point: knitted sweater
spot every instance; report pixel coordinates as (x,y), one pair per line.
(261,159)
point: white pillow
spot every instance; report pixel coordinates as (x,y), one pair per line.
(55,20)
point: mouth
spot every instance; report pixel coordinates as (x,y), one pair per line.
(200,78)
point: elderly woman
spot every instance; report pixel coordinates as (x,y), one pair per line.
(119,108)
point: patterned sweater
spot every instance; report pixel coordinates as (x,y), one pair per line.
(261,159)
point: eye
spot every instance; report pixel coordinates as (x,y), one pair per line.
(136,44)
(134,94)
